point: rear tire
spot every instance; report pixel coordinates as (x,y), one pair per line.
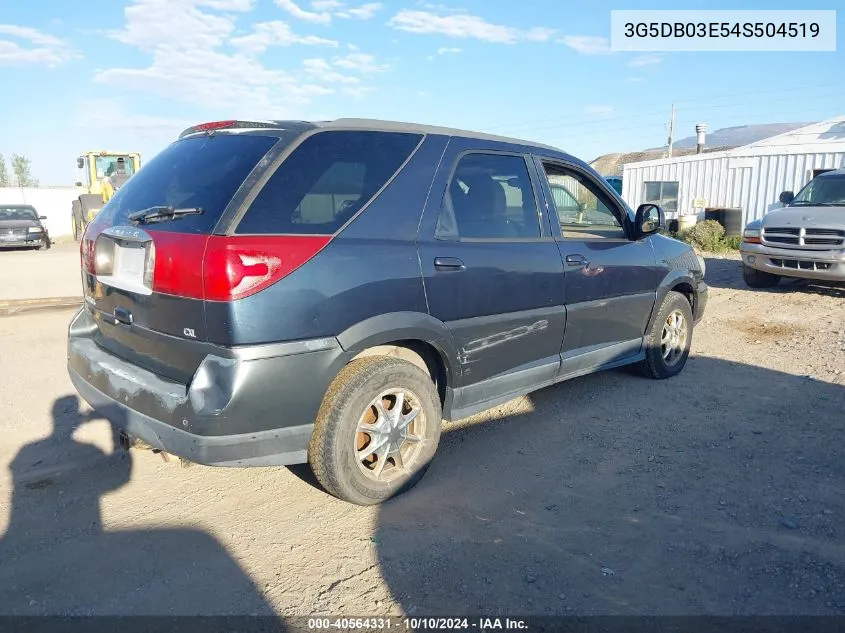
(362,410)
(669,339)
(758,279)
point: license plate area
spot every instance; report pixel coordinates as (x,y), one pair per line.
(125,259)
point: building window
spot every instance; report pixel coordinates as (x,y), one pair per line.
(664,194)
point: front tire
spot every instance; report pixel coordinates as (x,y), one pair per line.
(377,430)
(758,279)
(669,339)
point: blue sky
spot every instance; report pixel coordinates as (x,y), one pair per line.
(130,75)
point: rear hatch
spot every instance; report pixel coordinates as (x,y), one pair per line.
(144,256)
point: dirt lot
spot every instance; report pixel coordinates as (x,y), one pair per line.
(721,491)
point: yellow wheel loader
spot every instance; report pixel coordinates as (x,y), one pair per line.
(104,173)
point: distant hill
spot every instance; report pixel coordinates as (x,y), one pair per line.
(739,135)
(611,164)
(717,141)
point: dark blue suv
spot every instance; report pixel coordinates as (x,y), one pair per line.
(272,293)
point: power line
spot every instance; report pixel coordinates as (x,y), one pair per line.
(573,117)
(602,133)
(656,114)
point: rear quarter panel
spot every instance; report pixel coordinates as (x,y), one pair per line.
(370,268)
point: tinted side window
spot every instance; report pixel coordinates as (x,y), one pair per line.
(327,180)
(583,209)
(490,196)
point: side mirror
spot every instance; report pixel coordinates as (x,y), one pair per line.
(786,197)
(80,162)
(78,183)
(650,219)
(42,217)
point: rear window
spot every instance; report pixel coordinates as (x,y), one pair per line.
(327,180)
(203,171)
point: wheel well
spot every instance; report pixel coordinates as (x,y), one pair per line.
(423,355)
(685,289)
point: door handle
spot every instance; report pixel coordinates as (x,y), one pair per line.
(123,316)
(576,260)
(448,263)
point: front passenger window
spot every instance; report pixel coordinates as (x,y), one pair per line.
(490,197)
(583,209)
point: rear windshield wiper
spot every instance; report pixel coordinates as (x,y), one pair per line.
(154,214)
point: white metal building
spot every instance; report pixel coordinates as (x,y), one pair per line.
(750,178)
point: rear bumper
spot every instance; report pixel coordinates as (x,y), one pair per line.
(253,409)
(820,265)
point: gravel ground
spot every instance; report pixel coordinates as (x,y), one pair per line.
(33,274)
(721,491)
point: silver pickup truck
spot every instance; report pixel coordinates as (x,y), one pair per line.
(804,239)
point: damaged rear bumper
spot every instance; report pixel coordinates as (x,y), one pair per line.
(251,407)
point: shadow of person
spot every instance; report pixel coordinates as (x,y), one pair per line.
(58,559)
(716,492)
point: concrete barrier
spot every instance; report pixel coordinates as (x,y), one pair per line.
(53,202)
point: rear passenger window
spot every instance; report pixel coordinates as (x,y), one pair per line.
(490,197)
(327,180)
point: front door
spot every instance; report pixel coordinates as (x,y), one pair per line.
(493,272)
(610,279)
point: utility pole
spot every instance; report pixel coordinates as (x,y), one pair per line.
(671,130)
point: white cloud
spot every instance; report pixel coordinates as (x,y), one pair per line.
(320,17)
(587,44)
(457,25)
(114,114)
(326,5)
(178,23)
(276,33)
(359,62)
(323,71)
(187,41)
(364,12)
(645,60)
(600,110)
(325,10)
(423,94)
(449,51)
(229,5)
(33,47)
(439,8)
(540,34)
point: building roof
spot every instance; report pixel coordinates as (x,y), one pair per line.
(831,130)
(810,139)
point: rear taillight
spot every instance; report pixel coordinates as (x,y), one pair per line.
(226,268)
(177,266)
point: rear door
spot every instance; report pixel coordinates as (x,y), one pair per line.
(143,279)
(610,280)
(492,271)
